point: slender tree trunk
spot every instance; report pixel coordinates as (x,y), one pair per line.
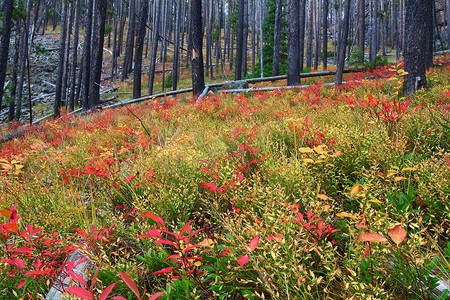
(240,41)
(141,26)
(74,55)
(293,76)
(245,39)
(302,28)
(374,30)
(277,39)
(155,35)
(316,34)
(325,34)
(176,54)
(8,6)
(343,43)
(87,56)
(60,72)
(198,77)
(309,45)
(261,44)
(121,28)
(98,42)
(362,28)
(129,45)
(22,61)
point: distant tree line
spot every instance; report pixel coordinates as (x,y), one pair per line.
(210,38)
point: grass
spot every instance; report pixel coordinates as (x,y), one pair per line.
(318,193)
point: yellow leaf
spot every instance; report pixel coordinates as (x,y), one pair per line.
(198,263)
(323,197)
(319,149)
(399,178)
(346,215)
(307,160)
(4,160)
(392,79)
(338,153)
(15,162)
(356,189)
(409,169)
(319,161)
(306,150)
(376,201)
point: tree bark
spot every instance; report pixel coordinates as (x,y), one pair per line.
(293,77)
(97,51)
(129,44)
(8,6)
(277,39)
(87,56)
(60,72)
(374,31)
(343,44)
(74,55)
(417,12)
(309,45)
(198,77)
(240,41)
(176,54)
(362,28)
(141,26)
(155,35)
(325,34)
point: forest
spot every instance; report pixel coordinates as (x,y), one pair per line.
(220,149)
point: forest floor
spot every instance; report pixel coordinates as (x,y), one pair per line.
(324,192)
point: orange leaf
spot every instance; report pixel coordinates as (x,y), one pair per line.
(371,237)
(6,213)
(397,234)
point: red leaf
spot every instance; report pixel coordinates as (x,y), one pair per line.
(243,260)
(130,284)
(77,277)
(254,242)
(371,237)
(154,218)
(167,242)
(18,262)
(151,233)
(191,247)
(80,292)
(163,271)
(149,174)
(118,298)
(21,284)
(206,170)
(156,296)
(186,228)
(106,292)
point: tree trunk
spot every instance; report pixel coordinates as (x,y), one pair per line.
(87,56)
(8,6)
(244,39)
(141,25)
(198,78)
(293,76)
(362,28)
(277,39)
(97,51)
(176,54)
(343,44)
(309,45)
(374,30)
(302,28)
(325,34)
(60,72)
(129,44)
(417,12)
(74,55)
(155,35)
(240,41)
